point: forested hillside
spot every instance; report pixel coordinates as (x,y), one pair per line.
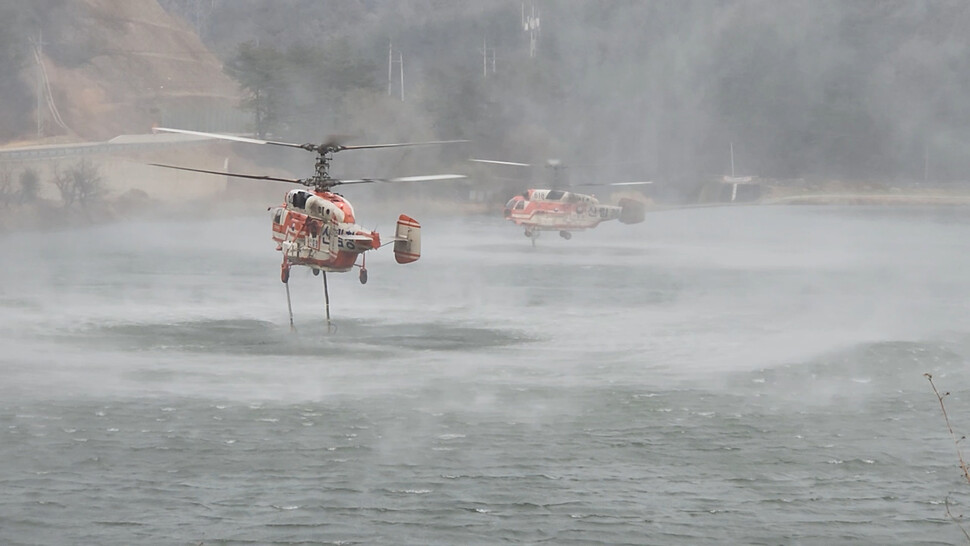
(862,89)
(858,89)
(100,68)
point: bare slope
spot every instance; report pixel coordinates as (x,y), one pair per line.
(119,66)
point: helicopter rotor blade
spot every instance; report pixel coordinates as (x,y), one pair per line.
(332,144)
(396,145)
(428,177)
(230,137)
(638,183)
(236,175)
(494,162)
(420,178)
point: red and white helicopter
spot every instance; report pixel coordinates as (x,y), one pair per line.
(554,209)
(317,228)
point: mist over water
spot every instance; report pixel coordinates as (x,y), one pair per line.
(733,375)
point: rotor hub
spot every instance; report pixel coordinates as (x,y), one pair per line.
(321,179)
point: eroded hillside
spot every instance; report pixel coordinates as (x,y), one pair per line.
(109,67)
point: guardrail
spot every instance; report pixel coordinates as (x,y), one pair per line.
(117,145)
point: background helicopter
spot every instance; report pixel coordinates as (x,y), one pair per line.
(318,228)
(564,211)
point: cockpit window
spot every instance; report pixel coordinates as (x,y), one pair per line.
(520,205)
(510,204)
(300,199)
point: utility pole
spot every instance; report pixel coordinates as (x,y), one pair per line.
(734,183)
(926,162)
(732,160)
(44,95)
(485,53)
(557,171)
(390,69)
(38,51)
(530,24)
(202,16)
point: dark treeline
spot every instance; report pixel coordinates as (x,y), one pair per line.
(845,89)
(850,89)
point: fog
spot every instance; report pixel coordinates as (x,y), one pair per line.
(687,296)
(855,90)
(745,360)
(861,90)
(739,374)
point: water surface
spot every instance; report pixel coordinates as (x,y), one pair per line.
(741,375)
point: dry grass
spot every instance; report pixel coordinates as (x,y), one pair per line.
(956,443)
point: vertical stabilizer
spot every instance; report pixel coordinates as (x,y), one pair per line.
(631,211)
(407,240)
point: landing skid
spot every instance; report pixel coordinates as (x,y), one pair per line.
(285,277)
(363,269)
(532,234)
(326,297)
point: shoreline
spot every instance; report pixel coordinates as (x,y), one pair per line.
(871,199)
(46,215)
